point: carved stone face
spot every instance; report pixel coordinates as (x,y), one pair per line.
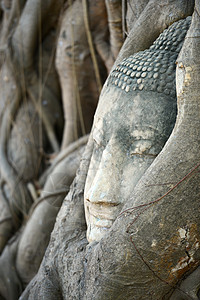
(129,130)
(134,118)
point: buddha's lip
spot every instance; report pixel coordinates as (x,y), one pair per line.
(103,211)
(106,203)
(102,219)
(103,223)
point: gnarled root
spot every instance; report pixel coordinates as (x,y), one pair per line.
(10,284)
(37,231)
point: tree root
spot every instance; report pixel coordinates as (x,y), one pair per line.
(62,155)
(91,45)
(12,288)
(36,234)
(6,222)
(19,200)
(114,9)
(46,122)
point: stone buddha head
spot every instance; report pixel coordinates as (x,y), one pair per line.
(134,118)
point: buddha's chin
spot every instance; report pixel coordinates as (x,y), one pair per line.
(95,234)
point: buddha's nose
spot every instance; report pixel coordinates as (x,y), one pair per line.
(105,185)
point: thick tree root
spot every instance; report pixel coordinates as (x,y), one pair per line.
(6,222)
(10,289)
(19,198)
(36,234)
(61,156)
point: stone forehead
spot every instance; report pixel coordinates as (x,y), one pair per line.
(153,69)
